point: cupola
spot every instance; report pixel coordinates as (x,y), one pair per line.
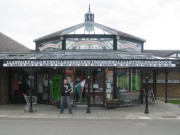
(89,17)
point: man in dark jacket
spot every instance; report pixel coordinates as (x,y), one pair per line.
(65,95)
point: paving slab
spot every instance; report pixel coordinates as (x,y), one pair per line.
(158,110)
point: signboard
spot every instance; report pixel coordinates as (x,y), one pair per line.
(89,63)
(163,81)
(123,81)
(56,87)
(136,83)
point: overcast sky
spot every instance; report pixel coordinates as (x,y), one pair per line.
(156,21)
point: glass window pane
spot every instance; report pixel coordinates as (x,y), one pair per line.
(173,55)
(178,54)
(128,46)
(50,45)
(135,80)
(109,83)
(122,80)
(89,44)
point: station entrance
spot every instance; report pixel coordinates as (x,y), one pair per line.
(102,82)
(49,85)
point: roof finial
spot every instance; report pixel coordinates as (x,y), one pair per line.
(89,17)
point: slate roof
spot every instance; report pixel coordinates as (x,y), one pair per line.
(161,53)
(7,44)
(78,54)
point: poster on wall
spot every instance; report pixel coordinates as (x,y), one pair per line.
(123,82)
(15,85)
(136,85)
(56,87)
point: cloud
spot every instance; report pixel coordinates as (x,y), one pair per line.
(157,21)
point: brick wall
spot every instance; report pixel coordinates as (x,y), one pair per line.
(173,89)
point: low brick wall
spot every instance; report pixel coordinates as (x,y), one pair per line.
(173,89)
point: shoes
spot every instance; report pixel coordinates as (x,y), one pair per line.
(69,112)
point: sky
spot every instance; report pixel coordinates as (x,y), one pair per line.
(156,21)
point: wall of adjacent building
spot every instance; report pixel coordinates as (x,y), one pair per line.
(4,87)
(173,89)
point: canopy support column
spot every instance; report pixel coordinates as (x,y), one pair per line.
(166,81)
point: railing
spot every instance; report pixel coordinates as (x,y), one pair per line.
(128,99)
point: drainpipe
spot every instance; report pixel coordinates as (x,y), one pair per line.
(166,80)
(155,81)
(0,86)
(146,90)
(88,95)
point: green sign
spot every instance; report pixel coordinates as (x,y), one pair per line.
(136,83)
(56,87)
(123,82)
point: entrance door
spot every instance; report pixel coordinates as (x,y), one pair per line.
(97,87)
(97,95)
(80,79)
(49,85)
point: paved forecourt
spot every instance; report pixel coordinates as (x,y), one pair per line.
(158,110)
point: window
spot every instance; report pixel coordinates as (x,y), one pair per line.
(50,45)
(128,46)
(135,80)
(173,55)
(128,81)
(89,44)
(122,80)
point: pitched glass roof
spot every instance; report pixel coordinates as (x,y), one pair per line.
(89,27)
(78,54)
(95,28)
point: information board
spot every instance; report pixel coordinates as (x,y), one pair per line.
(56,87)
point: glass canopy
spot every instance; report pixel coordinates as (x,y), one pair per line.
(60,41)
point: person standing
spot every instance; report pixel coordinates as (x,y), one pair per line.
(65,95)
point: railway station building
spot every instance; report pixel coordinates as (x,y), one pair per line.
(110,61)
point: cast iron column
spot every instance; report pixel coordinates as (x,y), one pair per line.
(88,96)
(166,80)
(146,90)
(114,83)
(142,85)
(30,72)
(155,81)
(30,108)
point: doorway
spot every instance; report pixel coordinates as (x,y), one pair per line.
(77,77)
(49,82)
